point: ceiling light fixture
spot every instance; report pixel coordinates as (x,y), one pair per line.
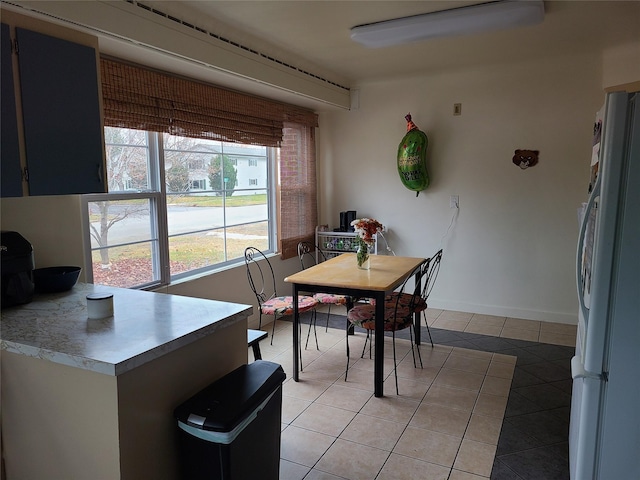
(484,17)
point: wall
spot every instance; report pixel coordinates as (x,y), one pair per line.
(511,247)
(52,224)
(621,65)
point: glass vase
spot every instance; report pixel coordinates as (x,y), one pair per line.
(363,256)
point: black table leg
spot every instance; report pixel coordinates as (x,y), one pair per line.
(296,336)
(379,346)
(257,355)
(416,316)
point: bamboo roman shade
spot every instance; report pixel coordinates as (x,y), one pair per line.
(298,202)
(143,99)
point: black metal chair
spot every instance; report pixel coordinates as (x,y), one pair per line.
(434,269)
(263,284)
(429,278)
(307,253)
(399,309)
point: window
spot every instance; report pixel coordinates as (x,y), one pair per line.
(181,200)
(198,184)
(197,163)
(164,230)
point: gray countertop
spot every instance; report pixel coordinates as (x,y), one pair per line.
(145,326)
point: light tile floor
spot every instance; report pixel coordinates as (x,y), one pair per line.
(444,425)
(505,327)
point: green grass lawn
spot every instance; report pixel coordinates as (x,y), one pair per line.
(130,265)
(199,248)
(213,201)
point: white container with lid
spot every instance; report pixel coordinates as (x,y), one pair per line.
(99,305)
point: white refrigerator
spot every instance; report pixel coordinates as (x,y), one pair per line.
(604,436)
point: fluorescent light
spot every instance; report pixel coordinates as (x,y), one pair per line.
(458,21)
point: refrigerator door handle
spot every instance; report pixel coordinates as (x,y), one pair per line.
(583,230)
(578,371)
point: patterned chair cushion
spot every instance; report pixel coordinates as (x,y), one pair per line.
(330,298)
(284,305)
(405,300)
(364,316)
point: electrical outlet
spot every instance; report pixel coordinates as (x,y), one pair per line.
(454,201)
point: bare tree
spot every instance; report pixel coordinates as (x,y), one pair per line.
(127,166)
(108,218)
(127,159)
(128,170)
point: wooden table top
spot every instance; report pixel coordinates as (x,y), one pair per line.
(385,274)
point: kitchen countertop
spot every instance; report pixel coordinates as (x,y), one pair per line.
(145,326)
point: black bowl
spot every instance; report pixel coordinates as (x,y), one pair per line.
(55,279)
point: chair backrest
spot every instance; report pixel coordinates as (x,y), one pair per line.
(260,274)
(427,272)
(307,254)
(420,286)
(415,293)
(432,274)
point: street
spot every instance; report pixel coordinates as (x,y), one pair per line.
(183,219)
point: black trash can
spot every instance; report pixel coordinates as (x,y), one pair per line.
(231,429)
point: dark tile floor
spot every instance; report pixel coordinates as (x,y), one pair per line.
(533,443)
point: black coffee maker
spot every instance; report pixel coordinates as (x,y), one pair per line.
(17,269)
(345,220)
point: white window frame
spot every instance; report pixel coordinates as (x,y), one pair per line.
(157,196)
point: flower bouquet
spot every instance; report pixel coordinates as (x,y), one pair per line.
(366,228)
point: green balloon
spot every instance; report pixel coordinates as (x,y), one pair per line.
(412,158)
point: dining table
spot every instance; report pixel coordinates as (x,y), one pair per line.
(341,275)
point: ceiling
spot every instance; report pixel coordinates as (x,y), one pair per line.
(315,35)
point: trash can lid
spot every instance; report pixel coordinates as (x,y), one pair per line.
(228,401)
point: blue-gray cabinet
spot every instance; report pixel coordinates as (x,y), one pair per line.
(10,173)
(60,108)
